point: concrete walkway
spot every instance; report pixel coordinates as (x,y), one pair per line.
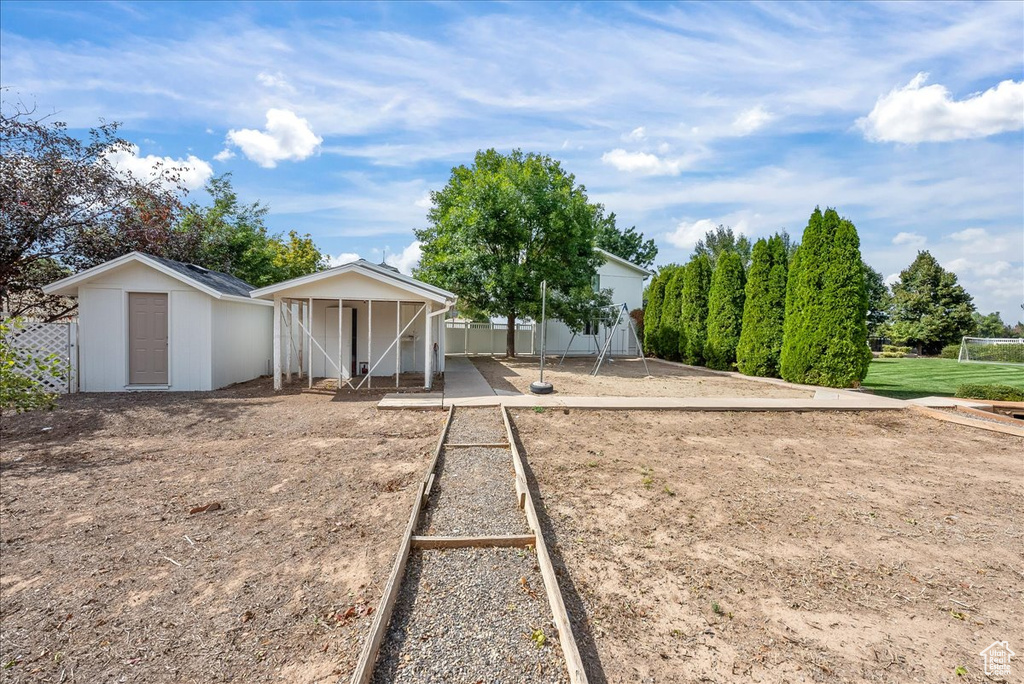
(466,386)
(461,380)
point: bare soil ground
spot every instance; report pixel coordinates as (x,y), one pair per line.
(105,575)
(782,547)
(622,378)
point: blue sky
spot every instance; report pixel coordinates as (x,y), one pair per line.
(909,118)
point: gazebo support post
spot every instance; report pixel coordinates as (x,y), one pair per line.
(398,347)
(341,319)
(287,313)
(369,344)
(309,344)
(428,348)
(277,343)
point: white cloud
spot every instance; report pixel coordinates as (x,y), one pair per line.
(192,171)
(224,155)
(751,120)
(637,134)
(342,259)
(919,113)
(407,259)
(911,239)
(969,234)
(424,202)
(687,234)
(274,81)
(287,137)
(892,279)
(642,163)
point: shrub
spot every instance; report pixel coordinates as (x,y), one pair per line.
(893,351)
(764,310)
(725,312)
(652,314)
(668,336)
(990,392)
(696,284)
(950,351)
(825,341)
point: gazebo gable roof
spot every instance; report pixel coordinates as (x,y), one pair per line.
(415,288)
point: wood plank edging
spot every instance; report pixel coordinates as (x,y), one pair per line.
(368,656)
(990,415)
(508,540)
(969,422)
(570,651)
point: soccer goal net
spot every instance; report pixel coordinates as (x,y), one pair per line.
(992,350)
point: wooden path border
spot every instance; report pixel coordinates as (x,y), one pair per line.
(368,656)
(571,652)
(982,424)
(504,541)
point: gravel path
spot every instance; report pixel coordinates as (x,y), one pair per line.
(474,494)
(468,615)
(477,426)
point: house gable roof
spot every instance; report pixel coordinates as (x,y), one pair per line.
(214,283)
(377,272)
(623,262)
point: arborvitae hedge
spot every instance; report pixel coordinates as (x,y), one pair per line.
(764,310)
(725,311)
(668,345)
(696,284)
(825,338)
(652,313)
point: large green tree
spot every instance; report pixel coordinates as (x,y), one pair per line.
(696,287)
(720,241)
(503,225)
(627,243)
(990,325)
(725,311)
(825,332)
(930,309)
(764,309)
(671,312)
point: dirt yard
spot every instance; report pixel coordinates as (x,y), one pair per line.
(106,576)
(782,547)
(622,378)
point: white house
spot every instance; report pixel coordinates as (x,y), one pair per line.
(626,281)
(389,325)
(152,323)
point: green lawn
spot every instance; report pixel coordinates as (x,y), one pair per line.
(912,378)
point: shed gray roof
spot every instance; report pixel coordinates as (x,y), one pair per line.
(225,283)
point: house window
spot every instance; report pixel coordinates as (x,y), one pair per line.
(591,328)
(595,282)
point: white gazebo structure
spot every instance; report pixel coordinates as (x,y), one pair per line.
(357,321)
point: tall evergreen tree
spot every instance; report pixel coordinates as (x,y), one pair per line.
(825,338)
(764,309)
(725,311)
(668,346)
(652,313)
(696,285)
(930,308)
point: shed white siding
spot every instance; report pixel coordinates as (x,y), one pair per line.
(243,341)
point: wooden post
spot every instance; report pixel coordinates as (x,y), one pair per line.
(341,318)
(398,347)
(287,311)
(301,310)
(277,343)
(309,344)
(428,343)
(369,344)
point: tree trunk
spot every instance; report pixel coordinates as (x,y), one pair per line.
(510,337)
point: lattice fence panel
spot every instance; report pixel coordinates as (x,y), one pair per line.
(60,339)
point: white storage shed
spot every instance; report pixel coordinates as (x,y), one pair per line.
(148,323)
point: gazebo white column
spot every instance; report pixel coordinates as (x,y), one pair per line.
(428,348)
(277,343)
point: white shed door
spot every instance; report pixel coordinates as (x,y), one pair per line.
(147,338)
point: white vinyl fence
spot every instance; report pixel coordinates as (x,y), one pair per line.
(485,338)
(60,339)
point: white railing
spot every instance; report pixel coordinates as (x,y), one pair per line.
(461,337)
